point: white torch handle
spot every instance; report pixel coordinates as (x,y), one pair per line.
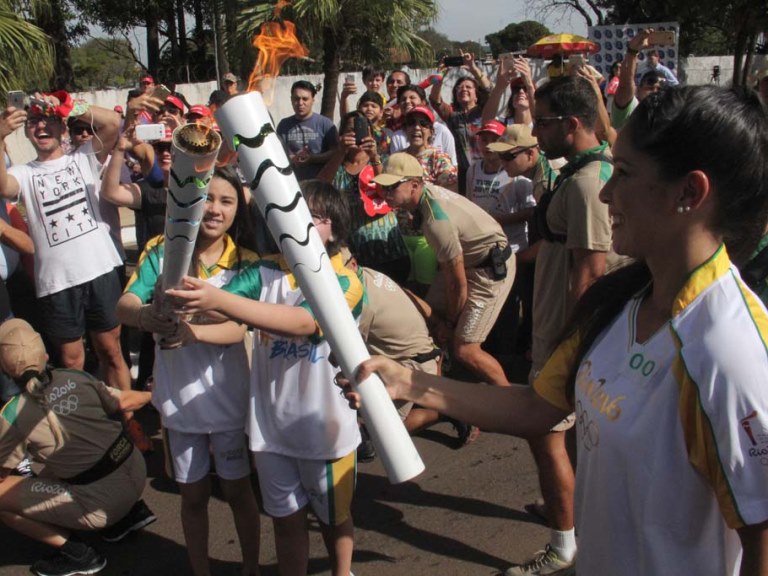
(245,122)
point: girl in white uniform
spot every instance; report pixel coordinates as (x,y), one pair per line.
(201,389)
(665,361)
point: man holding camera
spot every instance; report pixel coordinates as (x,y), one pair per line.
(476,262)
(75,260)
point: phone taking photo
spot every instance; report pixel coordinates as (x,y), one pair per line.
(16,98)
(453,61)
(161,92)
(362,128)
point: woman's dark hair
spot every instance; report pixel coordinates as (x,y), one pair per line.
(325,201)
(241,230)
(482,93)
(570,96)
(371,96)
(722,132)
(411,88)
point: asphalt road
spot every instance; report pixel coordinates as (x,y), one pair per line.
(464,515)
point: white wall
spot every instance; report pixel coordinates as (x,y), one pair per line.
(697,70)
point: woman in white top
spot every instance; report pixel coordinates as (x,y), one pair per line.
(665,361)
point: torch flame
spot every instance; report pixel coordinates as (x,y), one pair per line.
(276,42)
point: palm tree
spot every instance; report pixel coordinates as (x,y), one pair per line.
(27,52)
(369,29)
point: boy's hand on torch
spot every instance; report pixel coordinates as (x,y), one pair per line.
(196,296)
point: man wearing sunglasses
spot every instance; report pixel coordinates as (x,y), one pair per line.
(76,262)
(476,263)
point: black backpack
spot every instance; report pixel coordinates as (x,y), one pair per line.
(539,221)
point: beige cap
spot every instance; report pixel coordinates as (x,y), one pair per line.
(21,348)
(515,136)
(400,166)
(229,77)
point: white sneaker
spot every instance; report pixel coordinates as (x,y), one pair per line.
(545,562)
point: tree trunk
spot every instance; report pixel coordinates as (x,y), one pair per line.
(52,23)
(181,26)
(199,32)
(153,39)
(173,41)
(223,67)
(331,64)
(234,60)
(752,40)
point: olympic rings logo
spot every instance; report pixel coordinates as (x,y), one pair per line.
(66,406)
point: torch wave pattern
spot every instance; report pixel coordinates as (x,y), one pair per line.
(266,165)
(199,182)
(253,141)
(181,204)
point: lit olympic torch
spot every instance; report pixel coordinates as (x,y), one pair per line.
(193,158)
(245,121)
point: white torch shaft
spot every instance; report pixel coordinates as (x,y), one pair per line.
(187,192)
(245,121)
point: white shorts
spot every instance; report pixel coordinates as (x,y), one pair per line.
(190,455)
(289,484)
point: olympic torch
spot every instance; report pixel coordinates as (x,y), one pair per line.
(245,122)
(193,157)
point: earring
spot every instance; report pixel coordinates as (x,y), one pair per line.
(687,208)
(680,209)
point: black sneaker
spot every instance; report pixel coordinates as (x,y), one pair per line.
(366,452)
(137,518)
(465,433)
(62,564)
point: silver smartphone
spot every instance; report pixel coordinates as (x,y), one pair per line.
(16,98)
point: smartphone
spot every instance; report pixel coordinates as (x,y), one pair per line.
(150,132)
(350,79)
(576,61)
(161,92)
(662,38)
(16,99)
(453,61)
(362,128)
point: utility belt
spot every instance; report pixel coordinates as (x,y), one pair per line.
(427,356)
(497,261)
(113,458)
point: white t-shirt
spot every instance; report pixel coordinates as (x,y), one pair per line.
(672,433)
(72,242)
(443,141)
(199,388)
(295,407)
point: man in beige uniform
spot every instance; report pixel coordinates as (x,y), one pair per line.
(477,264)
(576,231)
(92,477)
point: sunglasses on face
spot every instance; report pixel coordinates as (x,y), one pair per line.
(518,88)
(35,120)
(423,122)
(544,121)
(509,156)
(80,128)
(392,187)
(161,147)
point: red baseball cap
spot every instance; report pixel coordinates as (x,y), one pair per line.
(175,101)
(118,109)
(199,110)
(422,110)
(147,80)
(494,127)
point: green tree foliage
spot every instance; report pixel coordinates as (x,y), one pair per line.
(28,55)
(516,37)
(104,62)
(351,31)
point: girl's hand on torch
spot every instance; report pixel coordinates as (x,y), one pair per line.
(395,376)
(151,320)
(196,297)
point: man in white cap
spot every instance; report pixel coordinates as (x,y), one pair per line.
(229,84)
(477,264)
